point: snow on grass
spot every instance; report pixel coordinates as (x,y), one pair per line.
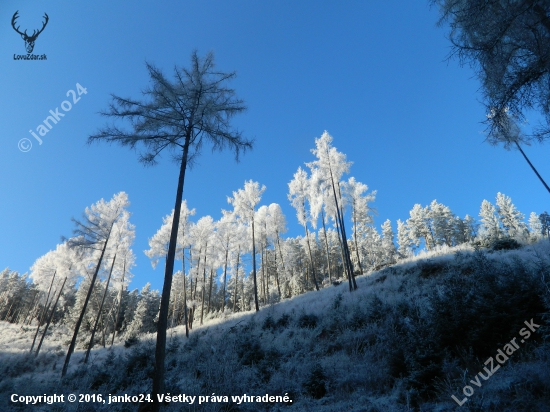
(231,352)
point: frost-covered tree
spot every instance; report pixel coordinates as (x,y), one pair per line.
(299,194)
(181,116)
(420,226)
(490,226)
(91,239)
(50,273)
(226,238)
(388,247)
(545,223)
(244,202)
(202,237)
(535,226)
(130,301)
(120,242)
(331,165)
(15,292)
(442,221)
(510,217)
(358,201)
(321,203)
(159,245)
(507,42)
(403,239)
(470,228)
(145,317)
(371,247)
(276,225)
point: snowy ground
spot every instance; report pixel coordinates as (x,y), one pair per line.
(380,348)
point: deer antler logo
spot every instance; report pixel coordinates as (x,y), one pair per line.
(29,40)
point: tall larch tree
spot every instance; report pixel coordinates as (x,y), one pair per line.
(180,116)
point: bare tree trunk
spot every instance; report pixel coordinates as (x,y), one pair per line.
(282,260)
(194,294)
(119,303)
(45,311)
(326,246)
(210,289)
(162,326)
(266,267)
(35,310)
(277,274)
(254,270)
(530,164)
(50,318)
(347,259)
(225,276)
(79,321)
(91,344)
(356,244)
(263,276)
(174,307)
(184,293)
(236,281)
(41,317)
(31,307)
(344,236)
(203,281)
(311,259)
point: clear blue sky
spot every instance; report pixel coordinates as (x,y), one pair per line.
(371,73)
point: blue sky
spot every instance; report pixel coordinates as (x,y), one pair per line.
(373,74)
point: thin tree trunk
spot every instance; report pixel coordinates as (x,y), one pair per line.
(36,334)
(203,281)
(41,317)
(91,344)
(236,281)
(119,303)
(35,310)
(225,276)
(210,290)
(311,259)
(281,254)
(184,293)
(347,260)
(266,267)
(254,270)
(8,313)
(532,167)
(344,264)
(197,275)
(50,319)
(174,308)
(326,246)
(277,274)
(343,228)
(160,350)
(263,276)
(79,321)
(31,307)
(185,318)
(356,244)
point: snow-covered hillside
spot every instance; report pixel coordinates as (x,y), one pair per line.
(409,338)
